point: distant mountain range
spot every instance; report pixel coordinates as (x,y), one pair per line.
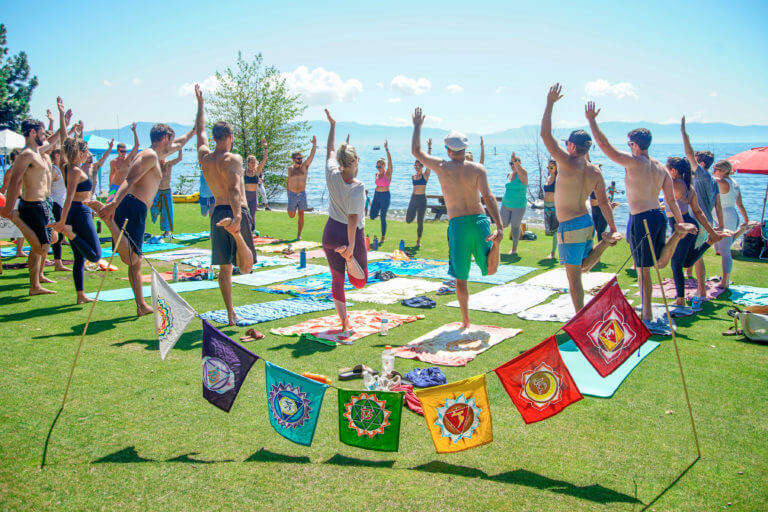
(701,133)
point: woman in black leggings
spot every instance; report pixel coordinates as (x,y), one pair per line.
(417,207)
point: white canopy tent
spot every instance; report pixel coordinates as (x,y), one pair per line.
(10,140)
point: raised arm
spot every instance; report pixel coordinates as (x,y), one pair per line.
(311,156)
(689,153)
(546,125)
(62,121)
(621,158)
(482,151)
(330,148)
(180,142)
(429,161)
(389,160)
(202,136)
(135,149)
(520,170)
(97,165)
(49,115)
(260,167)
(175,160)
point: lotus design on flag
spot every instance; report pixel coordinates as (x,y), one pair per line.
(611,335)
(217,376)
(289,405)
(459,418)
(541,386)
(367,414)
(164,322)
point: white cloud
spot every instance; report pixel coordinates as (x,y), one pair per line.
(136,81)
(395,100)
(713,94)
(209,85)
(602,87)
(410,86)
(500,89)
(108,83)
(380,85)
(321,87)
(453,89)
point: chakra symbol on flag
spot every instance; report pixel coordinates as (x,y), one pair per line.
(289,405)
(217,376)
(611,334)
(165,324)
(367,414)
(541,387)
(459,418)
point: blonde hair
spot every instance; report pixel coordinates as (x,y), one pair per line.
(346,155)
(725,165)
(381,161)
(250,158)
(72,147)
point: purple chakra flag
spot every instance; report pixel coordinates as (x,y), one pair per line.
(225,365)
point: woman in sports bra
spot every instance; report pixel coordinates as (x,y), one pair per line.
(417,207)
(550,218)
(253,177)
(381,197)
(730,200)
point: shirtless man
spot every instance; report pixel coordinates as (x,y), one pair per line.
(230,220)
(297,185)
(576,179)
(118,167)
(644,178)
(162,206)
(469,232)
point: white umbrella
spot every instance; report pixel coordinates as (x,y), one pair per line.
(10,140)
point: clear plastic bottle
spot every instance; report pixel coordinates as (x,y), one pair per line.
(384,327)
(175,272)
(387,360)
(368,381)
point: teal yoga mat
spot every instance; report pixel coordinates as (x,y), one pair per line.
(106,252)
(586,377)
(127,294)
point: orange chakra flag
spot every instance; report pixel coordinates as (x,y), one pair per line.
(458,414)
(538,382)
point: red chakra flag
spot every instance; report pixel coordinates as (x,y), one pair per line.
(538,382)
(607,330)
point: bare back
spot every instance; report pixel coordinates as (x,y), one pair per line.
(462,183)
(576,179)
(147,168)
(35,180)
(118,170)
(643,179)
(218,168)
(297,178)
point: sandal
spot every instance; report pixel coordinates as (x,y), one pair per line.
(356,372)
(251,335)
(446,291)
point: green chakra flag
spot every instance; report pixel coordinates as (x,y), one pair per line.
(370,419)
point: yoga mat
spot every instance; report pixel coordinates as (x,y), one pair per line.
(404,268)
(268,311)
(504,274)
(311,254)
(189,237)
(204,261)
(586,377)
(262,240)
(310,286)
(364,323)
(106,252)
(127,293)
(48,263)
(749,295)
(294,246)
(712,289)
(507,299)
(394,290)
(181,254)
(558,279)
(660,323)
(559,310)
(277,275)
(10,252)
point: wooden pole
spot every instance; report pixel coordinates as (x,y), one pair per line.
(674,338)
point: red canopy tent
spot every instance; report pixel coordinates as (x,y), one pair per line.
(754,161)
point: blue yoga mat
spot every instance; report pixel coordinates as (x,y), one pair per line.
(586,377)
(189,237)
(747,295)
(10,252)
(404,268)
(106,252)
(127,293)
(268,311)
(503,275)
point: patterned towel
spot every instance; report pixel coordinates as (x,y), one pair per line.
(450,345)
(268,311)
(559,310)
(659,323)
(712,288)
(394,290)
(364,323)
(504,274)
(262,240)
(557,279)
(106,252)
(404,268)
(191,252)
(507,299)
(263,261)
(749,295)
(277,275)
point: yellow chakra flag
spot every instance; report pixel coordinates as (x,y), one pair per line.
(458,414)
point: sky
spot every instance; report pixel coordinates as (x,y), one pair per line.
(474,66)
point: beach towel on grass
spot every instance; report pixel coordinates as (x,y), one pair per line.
(263,240)
(276,275)
(106,252)
(191,237)
(311,286)
(364,323)
(127,293)
(450,345)
(263,262)
(394,290)
(557,279)
(749,295)
(504,274)
(10,252)
(267,311)
(559,310)
(659,324)
(181,254)
(586,377)
(404,268)
(294,246)
(712,288)
(507,299)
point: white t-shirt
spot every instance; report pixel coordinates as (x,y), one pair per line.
(344,198)
(58,189)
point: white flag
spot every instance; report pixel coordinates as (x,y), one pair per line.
(172,314)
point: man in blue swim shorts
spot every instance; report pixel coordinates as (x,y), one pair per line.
(577,177)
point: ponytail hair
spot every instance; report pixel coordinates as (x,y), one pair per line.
(346,155)
(725,166)
(683,168)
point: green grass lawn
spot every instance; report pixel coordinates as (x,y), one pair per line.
(137,434)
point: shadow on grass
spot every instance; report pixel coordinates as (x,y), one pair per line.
(343,460)
(95,327)
(265,455)
(187,459)
(510,258)
(672,484)
(303,348)
(547,263)
(189,341)
(18,286)
(127,455)
(39,312)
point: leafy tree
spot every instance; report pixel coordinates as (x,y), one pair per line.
(15,85)
(254,99)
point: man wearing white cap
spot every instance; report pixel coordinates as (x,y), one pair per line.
(469,231)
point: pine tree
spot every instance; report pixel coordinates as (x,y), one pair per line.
(15,85)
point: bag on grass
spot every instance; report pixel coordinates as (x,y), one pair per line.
(754,326)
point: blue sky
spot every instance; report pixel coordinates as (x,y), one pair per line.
(481,67)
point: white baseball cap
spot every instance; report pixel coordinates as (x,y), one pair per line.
(456,141)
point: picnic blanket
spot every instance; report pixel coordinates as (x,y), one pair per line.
(712,288)
(276,275)
(504,274)
(267,311)
(106,252)
(450,345)
(749,295)
(127,293)
(181,254)
(364,323)
(394,290)
(586,377)
(557,279)
(559,310)
(404,268)
(294,246)
(507,299)
(191,237)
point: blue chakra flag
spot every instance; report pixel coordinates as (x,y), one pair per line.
(370,419)
(225,366)
(293,403)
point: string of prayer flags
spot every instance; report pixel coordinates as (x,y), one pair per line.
(538,382)
(607,330)
(225,366)
(172,314)
(293,403)
(370,419)
(458,414)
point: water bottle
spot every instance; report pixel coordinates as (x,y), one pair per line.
(384,327)
(387,361)
(210,273)
(375,243)
(369,382)
(367,243)
(402,245)
(696,302)
(175,272)
(303,259)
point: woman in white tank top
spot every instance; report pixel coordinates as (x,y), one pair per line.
(730,199)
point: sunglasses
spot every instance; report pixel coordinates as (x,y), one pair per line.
(630,143)
(121,151)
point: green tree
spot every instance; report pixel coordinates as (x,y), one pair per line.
(254,99)
(15,85)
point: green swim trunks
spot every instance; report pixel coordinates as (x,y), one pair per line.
(466,238)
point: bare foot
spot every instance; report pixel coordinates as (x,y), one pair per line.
(494,255)
(685,228)
(513,253)
(85,300)
(713,239)
(59,267)
(612,238)
(382,240)
(465,325)
(144,310)
(96,206)
(550,256)
(40,291)
(233,319)
(44,279)
(21,254)
(680,301)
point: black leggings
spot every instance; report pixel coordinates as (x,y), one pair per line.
(686,254)
(417,208)
(86,244)
(379,206)
(57,246)
(599,222)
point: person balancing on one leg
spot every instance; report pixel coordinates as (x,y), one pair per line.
(576,179)
(297,185)
(469,231)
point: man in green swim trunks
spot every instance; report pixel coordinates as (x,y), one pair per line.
(469,230)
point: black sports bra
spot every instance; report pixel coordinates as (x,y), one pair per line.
(83,186)
(550,187)
(420,181)
(251,179)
